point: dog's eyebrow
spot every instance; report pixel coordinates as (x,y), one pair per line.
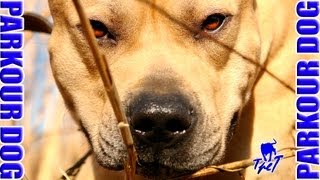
(112,13)
(192,12)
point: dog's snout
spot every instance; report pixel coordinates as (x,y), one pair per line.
(161,119)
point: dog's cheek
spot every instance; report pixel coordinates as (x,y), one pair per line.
(98,120)
(81,90)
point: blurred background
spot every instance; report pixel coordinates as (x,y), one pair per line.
(51,137)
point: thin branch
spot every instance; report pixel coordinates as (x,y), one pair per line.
(64,174)
(102,65)
(234,166)
(75,169)
(210,170)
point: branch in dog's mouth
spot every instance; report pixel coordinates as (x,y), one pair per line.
(111,90)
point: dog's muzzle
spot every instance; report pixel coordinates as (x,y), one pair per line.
(160,120)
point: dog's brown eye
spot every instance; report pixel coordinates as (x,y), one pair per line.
(99,29)
(213,22)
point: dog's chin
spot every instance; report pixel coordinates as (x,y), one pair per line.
(152,170)
(159,165)
(158,171)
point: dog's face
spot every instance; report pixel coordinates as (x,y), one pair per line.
(178,69)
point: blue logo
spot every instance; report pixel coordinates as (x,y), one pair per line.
(269,160)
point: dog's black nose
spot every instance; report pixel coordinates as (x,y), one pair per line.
(160,119)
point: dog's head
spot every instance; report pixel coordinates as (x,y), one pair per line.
(183,71)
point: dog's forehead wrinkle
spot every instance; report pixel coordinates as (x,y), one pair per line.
(108,12)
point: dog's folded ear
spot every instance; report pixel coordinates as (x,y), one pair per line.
(37,23)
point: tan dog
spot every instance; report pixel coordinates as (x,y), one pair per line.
(186,73)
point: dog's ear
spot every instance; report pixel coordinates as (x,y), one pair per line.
(36,23)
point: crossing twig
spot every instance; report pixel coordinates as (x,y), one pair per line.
(103,68)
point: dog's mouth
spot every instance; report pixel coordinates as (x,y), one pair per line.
(156,170)
(233,124)
(163,161)
(152,164)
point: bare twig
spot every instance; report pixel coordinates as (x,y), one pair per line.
(111,90)
(210,170)
(75,169)
(64,174)
(234,166)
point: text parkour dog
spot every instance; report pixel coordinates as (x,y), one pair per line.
(12,89)
(307,103)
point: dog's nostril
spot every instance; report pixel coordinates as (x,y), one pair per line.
(178,124)
(147,124)
(142,124)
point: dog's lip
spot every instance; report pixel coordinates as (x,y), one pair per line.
(167,132)
(159,169)
(165,141)
(154,169)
